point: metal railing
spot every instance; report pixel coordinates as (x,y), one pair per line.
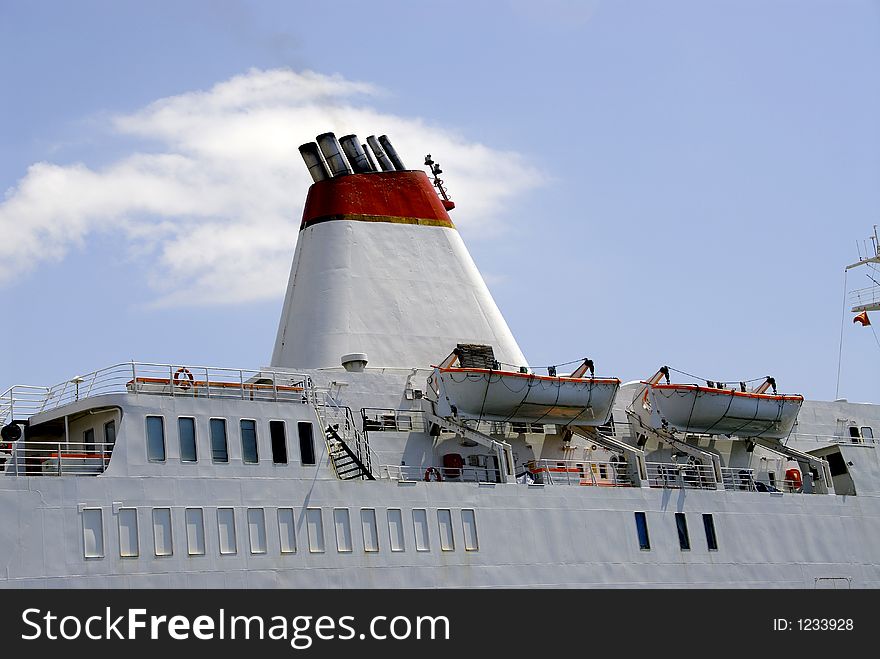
(391,420)
(57,459)
(161,379)
(465,473)
(862,297)
(580,472)
(738,478)
(681,476)
(831,439)
(21,402)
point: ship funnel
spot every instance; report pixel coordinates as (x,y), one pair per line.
(383,160)
(314,161)
(333,154)
(356,155)
(392,154)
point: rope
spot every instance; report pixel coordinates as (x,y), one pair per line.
(840,345)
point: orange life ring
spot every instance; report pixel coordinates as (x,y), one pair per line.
(433,474)
(794,477)
(183,378)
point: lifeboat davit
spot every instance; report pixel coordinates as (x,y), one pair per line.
(721,411)
(492,394)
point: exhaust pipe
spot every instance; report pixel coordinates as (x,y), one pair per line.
(392,154)
(369,156)
(333,154)
(356,156)
(314,161)
(383,160)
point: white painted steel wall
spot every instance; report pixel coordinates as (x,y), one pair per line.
(403,294)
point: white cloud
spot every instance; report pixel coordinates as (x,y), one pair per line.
(211,209)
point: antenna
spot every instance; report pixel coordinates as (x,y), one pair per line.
(438,182)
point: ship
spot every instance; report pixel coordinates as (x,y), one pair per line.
(399,438)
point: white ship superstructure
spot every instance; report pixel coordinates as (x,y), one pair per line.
(399,438)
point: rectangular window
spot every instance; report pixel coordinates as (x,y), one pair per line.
(89,445)
(109,435)
(156,439)
(226,528)
(219,450)
(287,530)
(420,526)
(867,432)
(342,522)
(279,442)
(128,532)
(681,524)
(642,530)
(447,538)
(186,429)
(249,453)
(469,524)
(371,532)
(315,523)
(163,543)
(195,532)
(711,539)
(257,530)
(306,443)
(93,532)
(395,529)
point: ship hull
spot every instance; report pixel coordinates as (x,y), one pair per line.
(527,536)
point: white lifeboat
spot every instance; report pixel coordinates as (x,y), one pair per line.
(491,394)
(721,411)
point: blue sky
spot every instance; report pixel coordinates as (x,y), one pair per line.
(642,183)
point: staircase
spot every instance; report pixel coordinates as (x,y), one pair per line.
(347,446)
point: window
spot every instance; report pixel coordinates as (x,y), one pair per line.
(128,532)
(306,443)
(249,442)
(854,433)
(156,439)
(642,530)
(226,528)
(89,445)
(256,519)
(109,435)
(315,523)
(371,532)
(279,442)
(469,523)
(219,450)
(867,432)
(681,524)
(186,429)
(93,533)
(342,522)
(395,529)
(447,539)
(711,539)
(287,530)
(195,531)
(163,543)
(420,526)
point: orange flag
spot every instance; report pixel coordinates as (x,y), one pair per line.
(862,318)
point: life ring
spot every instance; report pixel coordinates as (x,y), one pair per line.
(793,477)
(183,378)
(433,474)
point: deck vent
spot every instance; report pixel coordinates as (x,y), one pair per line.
(354,362)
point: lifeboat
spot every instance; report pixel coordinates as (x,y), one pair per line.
(491,394)
(721,411)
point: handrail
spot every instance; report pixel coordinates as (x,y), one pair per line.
(23,401)
(580,472)
(57,459)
